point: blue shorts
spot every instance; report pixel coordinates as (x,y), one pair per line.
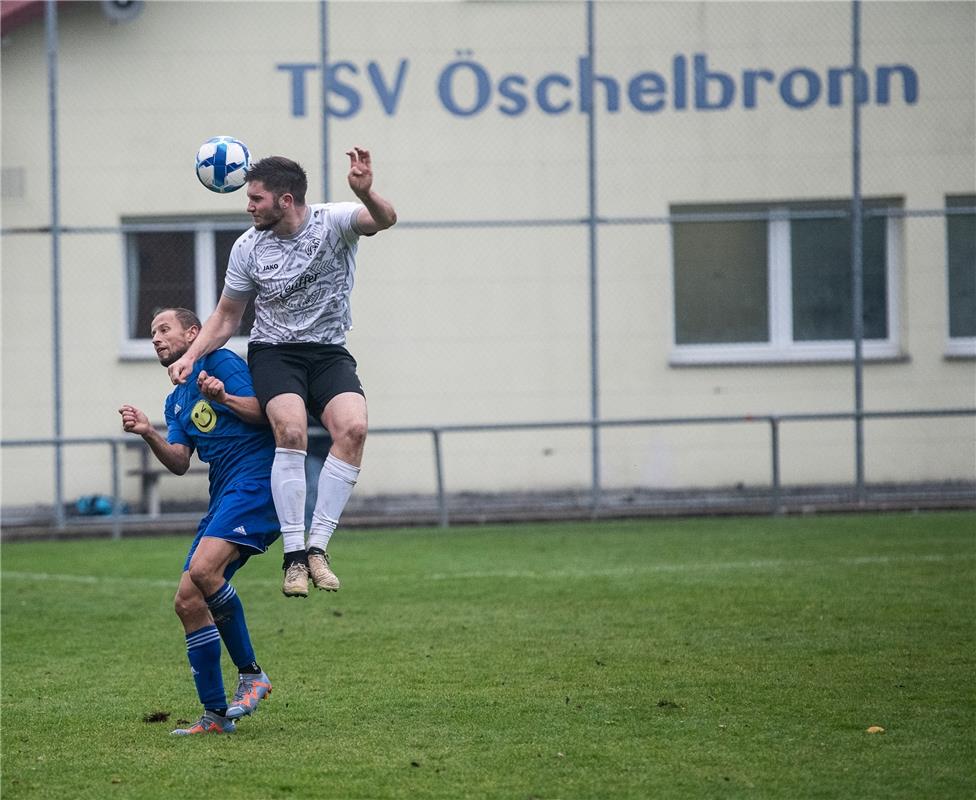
(245,515)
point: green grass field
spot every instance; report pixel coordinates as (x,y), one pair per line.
(641,659)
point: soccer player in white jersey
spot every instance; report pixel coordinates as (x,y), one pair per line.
(298,263)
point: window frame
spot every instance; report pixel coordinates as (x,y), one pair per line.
(781,348)
(955,346)
(204,275)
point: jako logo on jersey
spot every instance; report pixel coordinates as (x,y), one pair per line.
(203,416)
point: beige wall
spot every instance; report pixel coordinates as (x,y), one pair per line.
(484,325)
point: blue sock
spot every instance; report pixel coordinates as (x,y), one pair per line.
(203,650)
(228,613)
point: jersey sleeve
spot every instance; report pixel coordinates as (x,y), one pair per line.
(174,431)
(343,218)
(238,284)
(232,370)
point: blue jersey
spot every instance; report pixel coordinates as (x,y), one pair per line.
(235,450)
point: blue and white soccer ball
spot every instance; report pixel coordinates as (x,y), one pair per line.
(222,164)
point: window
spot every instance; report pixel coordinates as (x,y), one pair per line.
(772,282)
(961,267)
(176,262)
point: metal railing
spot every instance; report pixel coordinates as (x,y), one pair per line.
(437,433)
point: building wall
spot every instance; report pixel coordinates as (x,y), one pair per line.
(490,323)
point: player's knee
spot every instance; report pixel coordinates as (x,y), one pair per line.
(290,434)
(353,434)
(201,576)
(186,605)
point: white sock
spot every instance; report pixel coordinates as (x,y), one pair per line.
(336,482)
(288,491)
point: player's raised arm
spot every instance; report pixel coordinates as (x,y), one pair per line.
(379,213)
(218,328)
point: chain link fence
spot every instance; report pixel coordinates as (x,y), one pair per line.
(608,211)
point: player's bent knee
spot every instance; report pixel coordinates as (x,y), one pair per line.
(355,434)
(202,577)
(351,430)
(187,605)
(290,435)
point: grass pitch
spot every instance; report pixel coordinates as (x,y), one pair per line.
(638,659)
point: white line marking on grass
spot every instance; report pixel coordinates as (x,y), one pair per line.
(700,566)
(762,565)
(94,580)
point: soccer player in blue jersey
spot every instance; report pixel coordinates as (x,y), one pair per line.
(215,413)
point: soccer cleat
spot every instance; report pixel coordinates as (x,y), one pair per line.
(322,575)
(295,583)
(251,690)
(210,722)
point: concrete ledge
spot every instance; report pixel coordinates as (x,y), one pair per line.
(395,511)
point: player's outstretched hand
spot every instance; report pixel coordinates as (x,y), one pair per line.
(134,421)
(210,387)
(360,171)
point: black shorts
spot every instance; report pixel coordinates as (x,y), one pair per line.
(315,372)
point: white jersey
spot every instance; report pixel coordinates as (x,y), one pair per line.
(301,283)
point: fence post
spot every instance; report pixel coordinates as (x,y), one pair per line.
(439,471)
(777,496)
(51,38)
(116,499)
(857,258)
(593,226)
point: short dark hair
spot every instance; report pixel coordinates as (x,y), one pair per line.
(186,317)
(280,176)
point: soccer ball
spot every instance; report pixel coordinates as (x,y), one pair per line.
(222,164)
